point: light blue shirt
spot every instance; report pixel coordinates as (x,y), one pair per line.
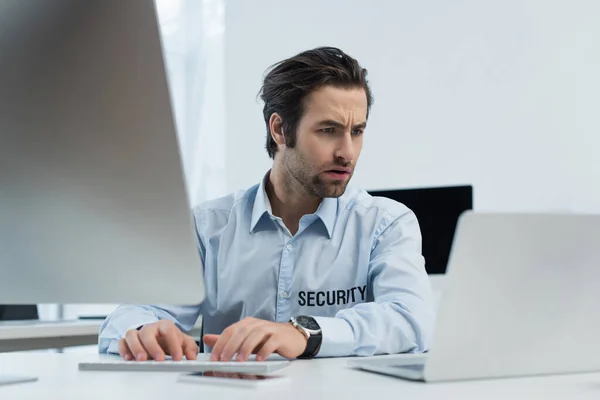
(355,265)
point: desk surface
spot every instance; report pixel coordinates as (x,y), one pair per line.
(46,329)
(59,377)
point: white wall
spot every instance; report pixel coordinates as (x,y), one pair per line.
(503,95)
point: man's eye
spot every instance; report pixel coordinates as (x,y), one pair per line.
(327,130)
(357,132)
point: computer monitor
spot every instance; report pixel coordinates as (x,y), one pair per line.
(93,201)
(437,210)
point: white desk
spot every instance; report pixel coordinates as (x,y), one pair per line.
(34,335)
(59,378)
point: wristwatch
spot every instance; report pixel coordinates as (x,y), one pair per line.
(309,327)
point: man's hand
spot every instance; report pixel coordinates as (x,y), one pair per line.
(155,341)
(252,335)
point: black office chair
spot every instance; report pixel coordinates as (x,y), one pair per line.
(18,312)
(437,210)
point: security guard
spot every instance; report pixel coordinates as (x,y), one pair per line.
(301,264)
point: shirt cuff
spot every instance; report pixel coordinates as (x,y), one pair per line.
(113,346)
(338,337)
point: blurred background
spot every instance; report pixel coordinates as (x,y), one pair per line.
(502,96)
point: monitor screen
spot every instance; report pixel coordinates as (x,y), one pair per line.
(437,210)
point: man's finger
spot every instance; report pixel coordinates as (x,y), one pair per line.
(148,338)
(124,350)
(190,348)
(221,342)
(268,348)
(210,339)
(135,346)
(252,342)
(171,341)
(243,330)
(226,335)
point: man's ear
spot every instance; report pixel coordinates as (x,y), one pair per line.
(276,127)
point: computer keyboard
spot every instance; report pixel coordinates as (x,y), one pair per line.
(254,367)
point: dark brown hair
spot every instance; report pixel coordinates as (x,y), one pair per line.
(289,82)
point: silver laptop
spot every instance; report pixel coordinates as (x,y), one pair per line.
(93,202)
(521,299)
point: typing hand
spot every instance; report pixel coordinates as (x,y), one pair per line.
(256,336)
(155,341)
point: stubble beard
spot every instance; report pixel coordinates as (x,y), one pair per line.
(299,170)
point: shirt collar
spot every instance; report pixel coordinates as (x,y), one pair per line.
(326,212)
(261,203)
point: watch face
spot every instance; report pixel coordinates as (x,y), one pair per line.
(308,322)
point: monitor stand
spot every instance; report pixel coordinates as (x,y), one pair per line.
(12,379)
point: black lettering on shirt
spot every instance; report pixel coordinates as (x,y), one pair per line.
(332,297)
(353,289)
(311,299)
(302,298)
(320,302)
(362,290)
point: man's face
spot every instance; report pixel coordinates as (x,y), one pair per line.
(329,139)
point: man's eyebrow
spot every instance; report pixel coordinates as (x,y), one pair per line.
(337,124)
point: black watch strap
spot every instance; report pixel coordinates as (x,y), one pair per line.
(313,344)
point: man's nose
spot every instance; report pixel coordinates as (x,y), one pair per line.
(345,149)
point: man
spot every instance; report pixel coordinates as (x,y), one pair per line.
(298,265)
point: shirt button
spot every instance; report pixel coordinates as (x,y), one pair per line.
(284,295)
(289,246)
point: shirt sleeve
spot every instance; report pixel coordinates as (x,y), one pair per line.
(400,318)
(126,317)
